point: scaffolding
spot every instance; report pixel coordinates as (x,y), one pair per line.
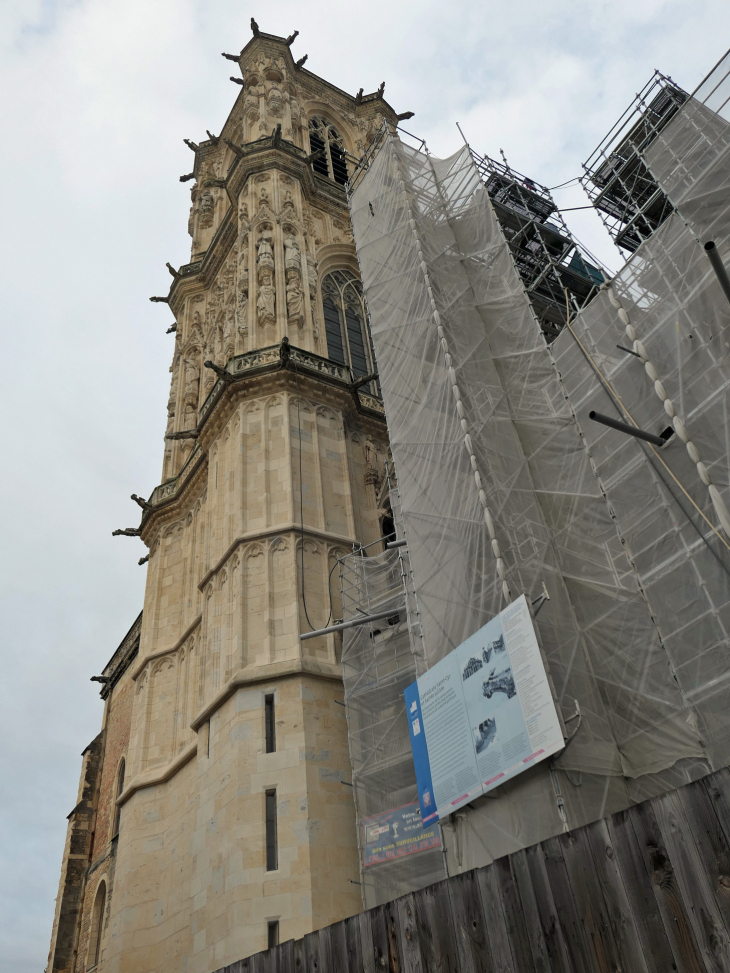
(547,257)
(505,484)
(379,660)
(619,185)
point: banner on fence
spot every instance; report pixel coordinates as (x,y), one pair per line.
(393,834)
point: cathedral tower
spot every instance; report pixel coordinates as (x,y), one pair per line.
(214,815)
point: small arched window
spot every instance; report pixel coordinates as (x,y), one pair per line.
(117,791)
(323,135)
(345,323)
(97,925)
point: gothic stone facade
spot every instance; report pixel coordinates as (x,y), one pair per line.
(166,866)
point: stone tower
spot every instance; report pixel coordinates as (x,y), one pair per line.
(214,814)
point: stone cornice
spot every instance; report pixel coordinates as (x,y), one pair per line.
(277,369)
(250,675)
(276,531)
(158,776)
(173,648)
(247,676)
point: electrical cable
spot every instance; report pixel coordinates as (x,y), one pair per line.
(568,183)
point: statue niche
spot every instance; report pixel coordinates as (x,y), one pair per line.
(293,271)
(266,299)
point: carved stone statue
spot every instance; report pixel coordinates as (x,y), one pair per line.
(192,383)
(265,258)
(207,205)
(294,299)
(266,300)
(292,254)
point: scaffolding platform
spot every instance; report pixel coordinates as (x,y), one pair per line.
(618,183)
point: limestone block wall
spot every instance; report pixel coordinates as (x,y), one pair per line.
(192,890)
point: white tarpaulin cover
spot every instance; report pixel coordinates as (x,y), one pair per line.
(506,484)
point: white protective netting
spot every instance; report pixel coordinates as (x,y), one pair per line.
(624,536)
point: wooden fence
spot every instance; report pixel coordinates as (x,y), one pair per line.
(647,889)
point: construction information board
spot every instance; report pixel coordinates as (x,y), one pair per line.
(481,715)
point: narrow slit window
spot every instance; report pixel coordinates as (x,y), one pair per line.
(273,933)
(120,788)
(270,719)
(272,851)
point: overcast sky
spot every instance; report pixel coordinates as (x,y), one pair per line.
(97,96)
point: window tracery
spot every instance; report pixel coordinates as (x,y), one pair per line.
(346,323)
(324,136)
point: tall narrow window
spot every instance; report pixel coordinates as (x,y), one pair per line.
(272,851)
(118,791)
(270,719)
(273,933)
(345,323)
(97,926)
(324,137)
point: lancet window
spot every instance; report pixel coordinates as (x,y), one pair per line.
(346,324)
(323,135)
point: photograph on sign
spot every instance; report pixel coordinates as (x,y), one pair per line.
(482,714)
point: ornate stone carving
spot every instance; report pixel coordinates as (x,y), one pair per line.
(294,298)
(266,299)
(207,207)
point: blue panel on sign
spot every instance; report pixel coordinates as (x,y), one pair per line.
(420,755)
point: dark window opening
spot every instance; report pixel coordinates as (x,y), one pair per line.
(387,526)
(273,933)
(335,348)
(270,718)
(325,137)
(346,324)
(272,851)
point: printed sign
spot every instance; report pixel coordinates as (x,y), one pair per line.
(482,715)
(395,833)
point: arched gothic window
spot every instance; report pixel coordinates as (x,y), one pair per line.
(97,927)
(119,789)
(323,135)
(345,322)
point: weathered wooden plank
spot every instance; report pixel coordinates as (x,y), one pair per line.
(380,938)
(371,962)
(589,900)
(325,951)
(390,911)
(712,842)
(353,959)
(502,958)
(311,952)
(436,930)
(581,953)
(658,865)
(602,864)
(285,957)
(408,935)
(552,933)
(717,788)
(533,928)
(681,840)
(514,916)
(300,960)
(653,937)
(472,942)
